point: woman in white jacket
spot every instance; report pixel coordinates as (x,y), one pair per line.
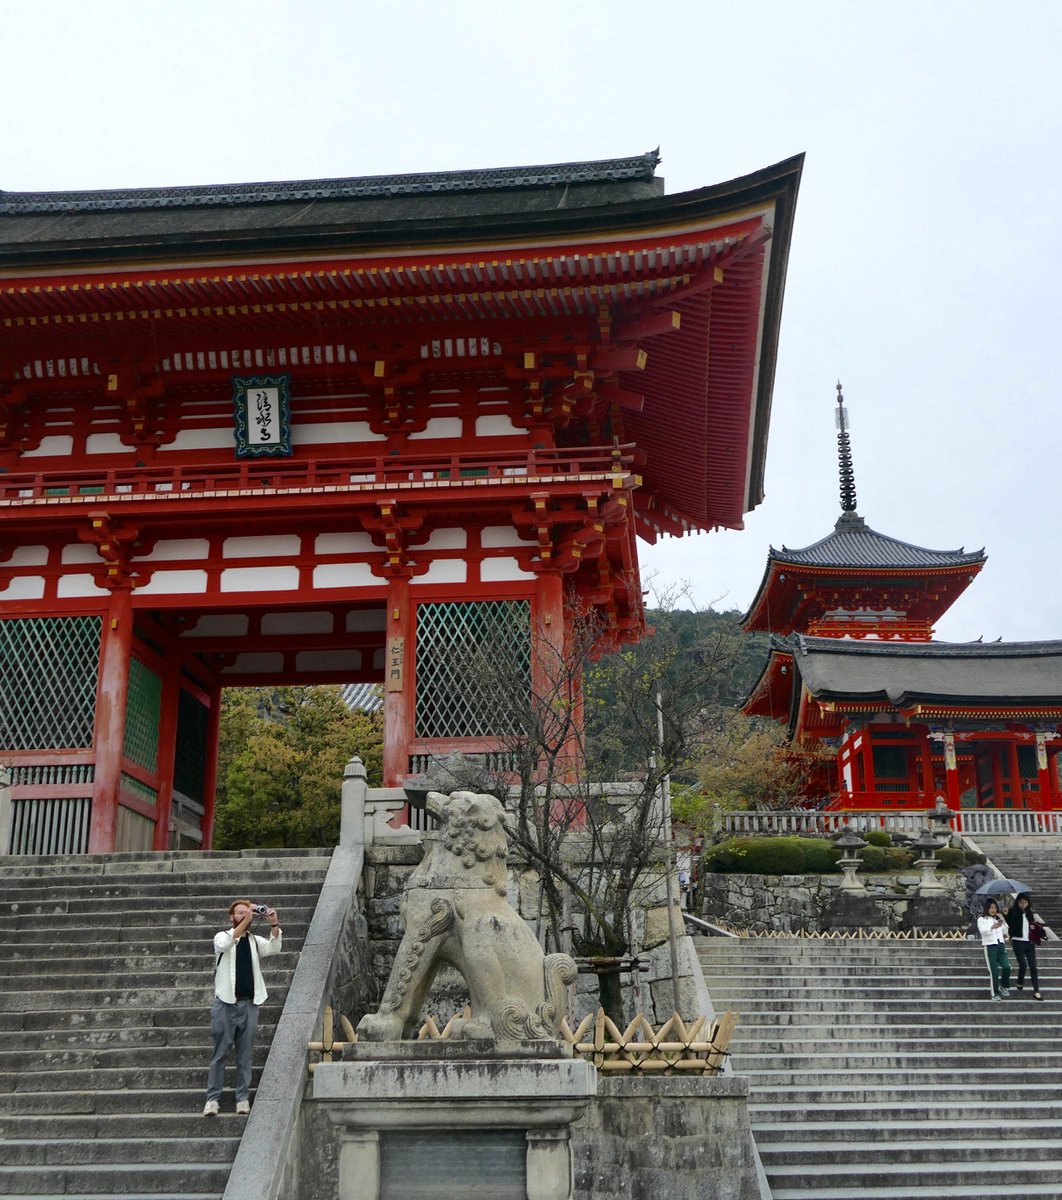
(993,931)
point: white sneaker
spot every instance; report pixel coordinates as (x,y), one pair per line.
(243,1108)
(210,1109)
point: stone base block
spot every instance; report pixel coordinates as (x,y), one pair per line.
(429,1120)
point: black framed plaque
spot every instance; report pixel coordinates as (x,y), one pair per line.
(262,409)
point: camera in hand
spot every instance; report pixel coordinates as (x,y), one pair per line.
(260,909)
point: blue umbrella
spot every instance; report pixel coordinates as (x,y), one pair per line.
(1000,887)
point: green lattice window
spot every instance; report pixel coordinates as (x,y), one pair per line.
(465,652)
(189,767)
(141,790)
(48,692)
(142,710)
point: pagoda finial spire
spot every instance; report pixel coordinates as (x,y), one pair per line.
(844,455)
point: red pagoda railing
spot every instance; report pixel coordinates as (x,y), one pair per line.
(286,475)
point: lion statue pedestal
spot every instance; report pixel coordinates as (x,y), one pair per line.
(489,1110)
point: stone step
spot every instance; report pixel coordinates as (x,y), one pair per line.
(832,1124)
(107,1079)
(182,940)
(170,1126)
(882,1095)
(891,1044)
(909,1150)
(39,1061)
(126,966)
(116,1179)
(170,1016)
(1006,1176)
(885,1076)
(125,915)
(87,981)
(916,1191)
(133,1100)
(195,1034)
(56,1151)
(164,887)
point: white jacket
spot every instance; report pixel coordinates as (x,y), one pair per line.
(986,927)
(225,974)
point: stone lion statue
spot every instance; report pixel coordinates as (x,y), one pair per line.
(455,911)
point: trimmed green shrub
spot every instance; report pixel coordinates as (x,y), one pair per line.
(878,859)
(772,856)
(951,859)
(878,837)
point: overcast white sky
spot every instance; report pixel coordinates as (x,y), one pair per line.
(924,270)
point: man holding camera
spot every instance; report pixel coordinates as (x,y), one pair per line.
(238,991)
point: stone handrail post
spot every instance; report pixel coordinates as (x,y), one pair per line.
(354,830)
(5,810)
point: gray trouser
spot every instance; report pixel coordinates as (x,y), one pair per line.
(233,1027)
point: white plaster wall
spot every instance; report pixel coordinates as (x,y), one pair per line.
(55,444)
(174,583)
(496,425)
(177,550)
(259,579)
(280,546)
(106,443)
(23,587)
(439,427)
(344,543)
(79,585)
(444,570)
(445,539)
(27,556)
(219,438)
(502,535)
(502,570)
(345,575)
(322,433)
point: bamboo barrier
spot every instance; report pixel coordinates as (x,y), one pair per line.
(700,1048)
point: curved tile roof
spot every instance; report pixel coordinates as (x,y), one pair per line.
(613,170)
(975,673)
(854,544)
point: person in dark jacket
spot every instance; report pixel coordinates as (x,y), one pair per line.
(1023,923)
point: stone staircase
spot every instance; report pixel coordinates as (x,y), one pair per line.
(880,1069)
(1035,860)
(104,1016)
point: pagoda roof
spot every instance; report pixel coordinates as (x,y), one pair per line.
(861,555)
(854,544)
(930,674)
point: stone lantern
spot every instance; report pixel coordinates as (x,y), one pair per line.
(940,819)
(927,843)
(850,843)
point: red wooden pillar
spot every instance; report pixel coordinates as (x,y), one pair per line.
(1045,796)
(111,695)
(399,682)
(210,774)
(1017,792)
(925,761)
(552,678)
(951,771)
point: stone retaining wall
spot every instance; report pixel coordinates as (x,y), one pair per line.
(803,903)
